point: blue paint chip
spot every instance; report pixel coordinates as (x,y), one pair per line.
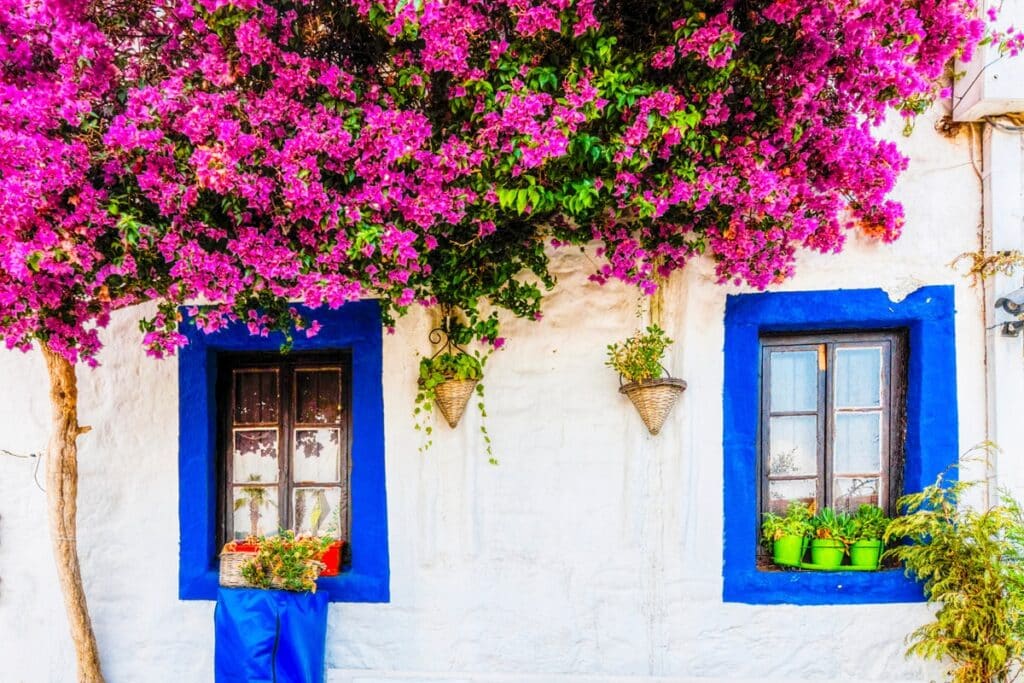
(931,441)
(355,326)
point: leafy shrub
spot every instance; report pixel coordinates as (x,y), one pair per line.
(971,564)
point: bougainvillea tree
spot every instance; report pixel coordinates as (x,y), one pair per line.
(239,157)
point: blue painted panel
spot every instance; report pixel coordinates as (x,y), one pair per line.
(355,326)
(931,442)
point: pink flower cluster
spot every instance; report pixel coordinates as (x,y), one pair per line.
(249,157)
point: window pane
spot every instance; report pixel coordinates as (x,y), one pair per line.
(317,511)
(794,445)
(794,380)
(852,492)
(317,455)
(256,396)
(780,493)
(318,396)
(255,456)
(254,511)
(859,377)
(858,443)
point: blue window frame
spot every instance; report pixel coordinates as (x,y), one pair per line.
(931,441)
(355,327)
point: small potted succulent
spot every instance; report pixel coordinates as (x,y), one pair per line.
(638,362)
(787,536)
(832,534)
(868,526)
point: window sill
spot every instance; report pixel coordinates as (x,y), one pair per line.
(346,587)
(766,587)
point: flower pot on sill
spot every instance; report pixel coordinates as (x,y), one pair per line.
(452,396)
(654,399)
(241,547)
(866,554)
(332,559)
(827,553)
(789,550)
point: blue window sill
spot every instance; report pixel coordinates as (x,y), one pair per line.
(757,587)
(346,587)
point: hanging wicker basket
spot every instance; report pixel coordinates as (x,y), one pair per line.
(452,397)
(654,399)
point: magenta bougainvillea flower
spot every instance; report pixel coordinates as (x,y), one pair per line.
(241,157)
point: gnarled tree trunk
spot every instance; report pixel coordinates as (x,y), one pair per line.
(62,498)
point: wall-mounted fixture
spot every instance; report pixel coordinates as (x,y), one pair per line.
(1012,303)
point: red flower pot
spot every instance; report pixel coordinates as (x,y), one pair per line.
(332,558)
(241,547)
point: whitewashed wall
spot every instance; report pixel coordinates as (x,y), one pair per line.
(592,553)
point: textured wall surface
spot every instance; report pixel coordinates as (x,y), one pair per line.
(591,554)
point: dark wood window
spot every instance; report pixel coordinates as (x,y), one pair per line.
(832,419)
(284,444)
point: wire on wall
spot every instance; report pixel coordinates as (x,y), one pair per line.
(38,457)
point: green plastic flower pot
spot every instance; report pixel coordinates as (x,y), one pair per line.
(827,553)
(866,553)
(789,550)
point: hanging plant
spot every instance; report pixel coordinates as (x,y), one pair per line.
(449,379)
(638,362)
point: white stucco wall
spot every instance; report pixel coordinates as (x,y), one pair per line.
(591,554)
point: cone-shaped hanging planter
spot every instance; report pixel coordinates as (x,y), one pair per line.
(654,399)
(452,396)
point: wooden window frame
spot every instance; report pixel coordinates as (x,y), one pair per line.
(894,403)
(286,365)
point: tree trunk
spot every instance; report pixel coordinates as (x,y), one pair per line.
(62,494)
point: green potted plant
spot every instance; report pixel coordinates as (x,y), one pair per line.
(970,561)
(831,538)
(867,527)
(787,535)
(638,362)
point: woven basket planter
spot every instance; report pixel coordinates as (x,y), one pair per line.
(452,397)
(231,570)
(654,399)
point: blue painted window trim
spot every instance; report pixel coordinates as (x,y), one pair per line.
(931,442)
(355,326)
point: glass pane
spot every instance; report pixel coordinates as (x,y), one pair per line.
(317,511)
(859,377)
(318,396)
(256,396)
(852,492)
(794,445)
(254,511)
(255,456)
(781,492)
(794,377)
(858,442)
(317,455)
